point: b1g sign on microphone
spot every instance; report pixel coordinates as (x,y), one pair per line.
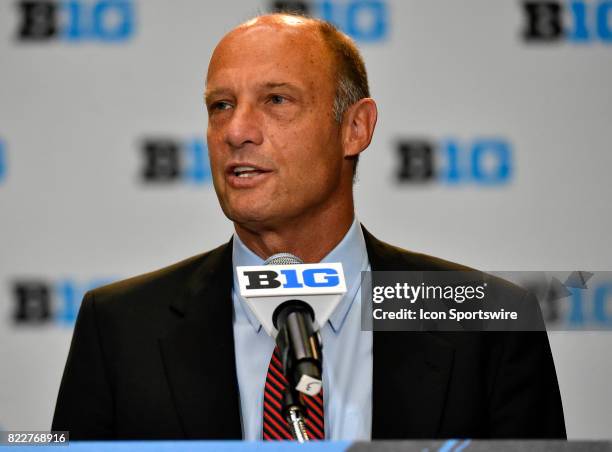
(267,286)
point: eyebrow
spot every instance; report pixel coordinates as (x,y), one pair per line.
(280,85)
(214,92)
(208,94)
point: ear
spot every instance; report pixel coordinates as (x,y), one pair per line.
(358,126)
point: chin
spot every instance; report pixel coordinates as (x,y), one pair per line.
(249,216)
(250,209)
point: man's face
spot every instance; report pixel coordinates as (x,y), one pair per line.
(274,146)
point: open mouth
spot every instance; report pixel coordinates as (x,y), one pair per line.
(246,171)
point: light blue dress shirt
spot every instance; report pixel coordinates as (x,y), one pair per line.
(347,351)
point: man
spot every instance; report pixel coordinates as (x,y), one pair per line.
(178,354)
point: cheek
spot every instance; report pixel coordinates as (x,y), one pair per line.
(215,151)
(216,164)
(306,155)
(313,171)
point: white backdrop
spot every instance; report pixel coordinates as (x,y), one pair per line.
(81,95)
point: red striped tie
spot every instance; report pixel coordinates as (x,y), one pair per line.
(274,424)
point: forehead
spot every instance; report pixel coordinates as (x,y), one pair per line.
(293,53)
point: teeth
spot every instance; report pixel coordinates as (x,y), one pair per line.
(240,169)
(245,171)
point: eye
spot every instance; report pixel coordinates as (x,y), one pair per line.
(220,106)
(277,100)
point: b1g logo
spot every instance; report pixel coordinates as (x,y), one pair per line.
(362,20)
(578,21)
(583,301)
(39,301)
(2,162)
(76,20)
(292,278)
(591,307)
(482,161)
(168,160)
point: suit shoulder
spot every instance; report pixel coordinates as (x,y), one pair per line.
(384,256)
(387,257)
(429,262)
(159,285)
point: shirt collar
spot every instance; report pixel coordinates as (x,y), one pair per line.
(351,252)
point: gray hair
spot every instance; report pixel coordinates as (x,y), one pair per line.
(351,75)
(347,93)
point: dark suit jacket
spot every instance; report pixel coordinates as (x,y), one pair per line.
(153,357)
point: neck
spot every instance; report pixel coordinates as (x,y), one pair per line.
(309,239)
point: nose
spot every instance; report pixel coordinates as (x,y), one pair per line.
(244,127)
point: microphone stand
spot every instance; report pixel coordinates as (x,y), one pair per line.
(294,414)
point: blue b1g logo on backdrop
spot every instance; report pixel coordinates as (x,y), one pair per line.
(481,161)
(76,20)
(169,160)
(38,301)
(362,20)
(583,301)
(595,310)
(577,21)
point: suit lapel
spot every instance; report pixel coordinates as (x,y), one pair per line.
(410,369)
(198,354)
